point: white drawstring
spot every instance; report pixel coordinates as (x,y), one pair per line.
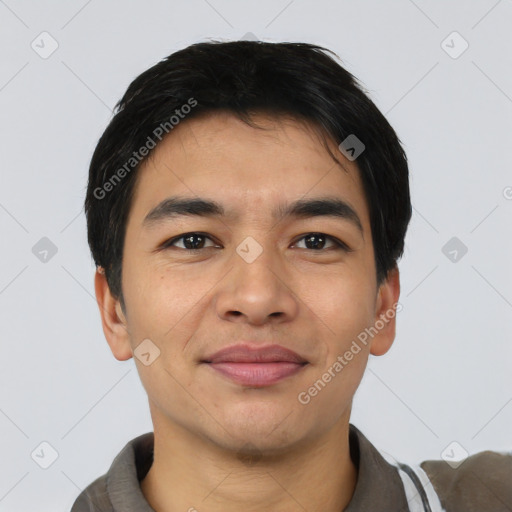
(412,492)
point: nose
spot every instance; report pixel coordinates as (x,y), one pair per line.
(257,293)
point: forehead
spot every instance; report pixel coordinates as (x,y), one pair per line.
(248,170)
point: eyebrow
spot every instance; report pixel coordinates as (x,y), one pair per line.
(175,206)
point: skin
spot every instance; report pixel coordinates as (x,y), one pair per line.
(312,301)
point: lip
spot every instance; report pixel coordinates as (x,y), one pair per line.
(256,366)
(245,353)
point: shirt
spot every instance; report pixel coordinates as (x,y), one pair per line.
(481,483)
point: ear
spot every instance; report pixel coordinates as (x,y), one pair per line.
(385,313)
(112,318)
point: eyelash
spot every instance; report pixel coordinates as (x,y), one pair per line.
(338,243)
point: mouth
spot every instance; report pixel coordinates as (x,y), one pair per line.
(256,366)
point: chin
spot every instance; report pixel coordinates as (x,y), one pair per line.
(272,432)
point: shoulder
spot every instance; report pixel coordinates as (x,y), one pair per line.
(482,482)
(94,498)
(119,487)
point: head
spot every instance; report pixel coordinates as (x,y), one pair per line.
(244,131)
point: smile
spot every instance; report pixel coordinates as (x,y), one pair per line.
(257,374)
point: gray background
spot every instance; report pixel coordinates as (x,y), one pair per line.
(447,377)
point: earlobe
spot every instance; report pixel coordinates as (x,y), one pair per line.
(112,318)
(385,315)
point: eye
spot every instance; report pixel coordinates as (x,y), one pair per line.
(191,241)
(196,241)
(317,241)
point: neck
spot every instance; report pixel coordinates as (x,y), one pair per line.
(191,473)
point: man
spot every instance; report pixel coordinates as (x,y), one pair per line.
(246,209)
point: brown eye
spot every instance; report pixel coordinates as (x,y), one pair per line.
(318,241)
(191,241)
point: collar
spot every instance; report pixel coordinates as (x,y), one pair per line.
(378,486)
(378,482)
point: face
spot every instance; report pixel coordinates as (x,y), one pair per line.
(253,272)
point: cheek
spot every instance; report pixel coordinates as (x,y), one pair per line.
(347,311)
(344,303)
(165,304)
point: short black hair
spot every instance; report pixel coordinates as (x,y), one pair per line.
(299,80)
